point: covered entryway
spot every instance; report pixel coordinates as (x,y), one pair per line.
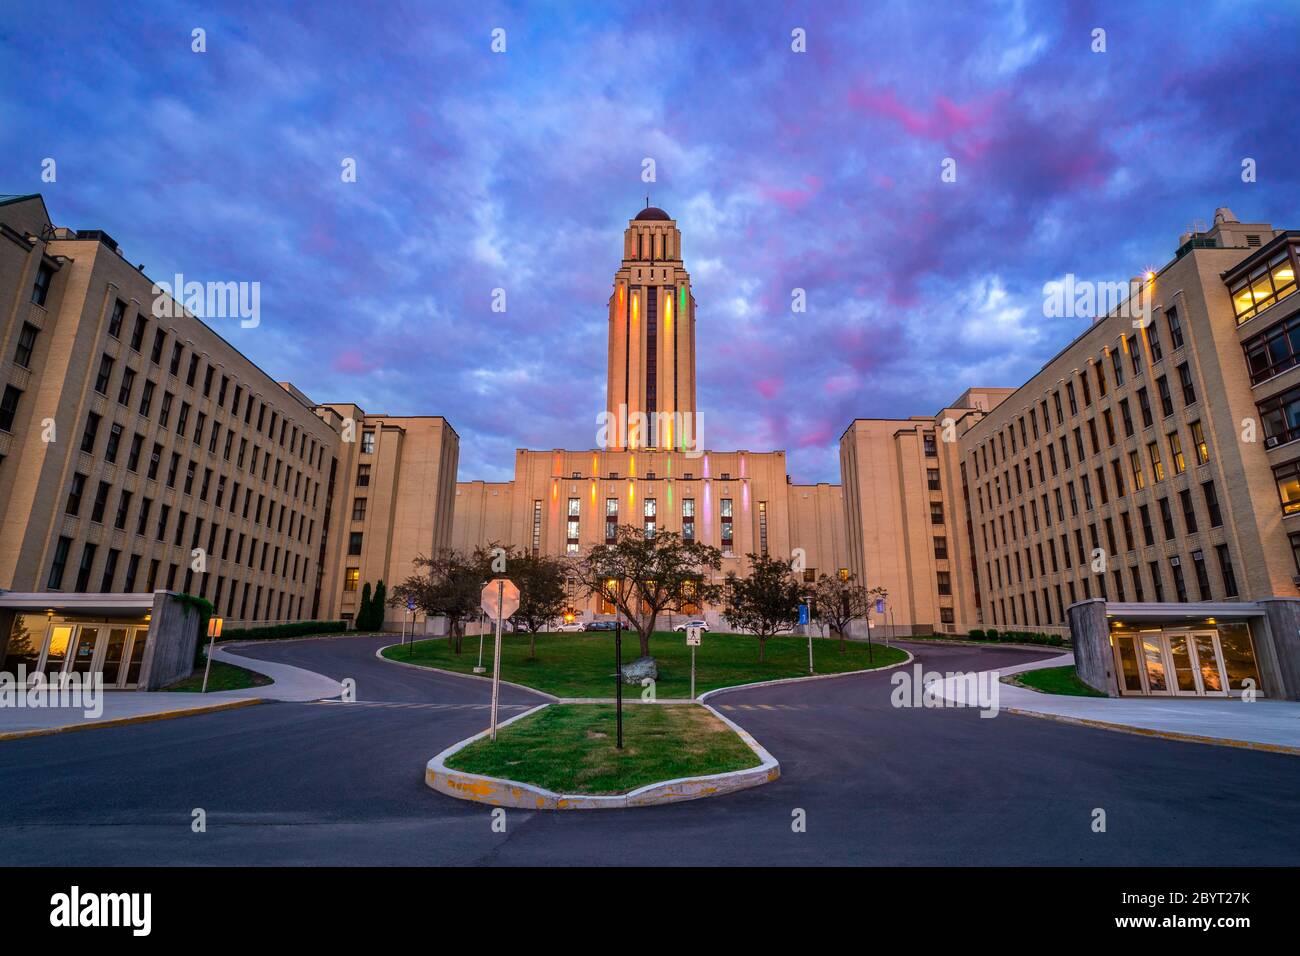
(1204,650)
(134,641)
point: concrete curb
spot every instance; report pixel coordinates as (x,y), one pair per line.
(440,670)
(796,680)
(499,792)
(1174,735)
(137,719)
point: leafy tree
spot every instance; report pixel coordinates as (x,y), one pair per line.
(839,601)
(644,575)
(362,620)
(447,584)
(376,622)
(543,595)
(766,601)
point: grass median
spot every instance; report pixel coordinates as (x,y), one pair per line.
(582,664)
(223,677)
(569,748)
(1056,680)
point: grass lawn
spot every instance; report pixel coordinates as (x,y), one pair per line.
(569,748)
(582,664)
(1056,680)
(223,677)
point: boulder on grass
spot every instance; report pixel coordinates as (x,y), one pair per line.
(640,669)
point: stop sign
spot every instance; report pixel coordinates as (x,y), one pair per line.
(500,594)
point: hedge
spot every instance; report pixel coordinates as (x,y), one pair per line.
(292,629)
(1018,637)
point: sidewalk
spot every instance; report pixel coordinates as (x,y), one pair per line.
(1272,725)
(129,707)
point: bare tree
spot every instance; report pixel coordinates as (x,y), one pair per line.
(840,600)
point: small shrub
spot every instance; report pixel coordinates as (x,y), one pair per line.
(977,634)
(992,634)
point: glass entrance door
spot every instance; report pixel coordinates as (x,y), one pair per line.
(1171,662)
(85,646)
(113,656)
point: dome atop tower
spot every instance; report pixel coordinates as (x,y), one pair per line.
(653,212)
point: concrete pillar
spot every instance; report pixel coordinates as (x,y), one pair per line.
(1090,634)
(1277,647)
(172,643)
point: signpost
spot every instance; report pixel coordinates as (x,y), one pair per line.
(693,633)
(803,619)
(410,610)
(500,599)
(618,681)
(214,632)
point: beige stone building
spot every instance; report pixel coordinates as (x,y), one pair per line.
(1148,467)
(563,502)
(140,451)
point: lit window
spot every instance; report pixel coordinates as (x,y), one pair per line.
(351,578)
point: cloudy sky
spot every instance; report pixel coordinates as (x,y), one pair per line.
(519,170)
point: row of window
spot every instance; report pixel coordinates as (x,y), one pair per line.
(1111,587)
(280,602)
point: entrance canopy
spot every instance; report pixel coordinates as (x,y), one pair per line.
(108,606)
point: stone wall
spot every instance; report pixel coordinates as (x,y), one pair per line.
(173,642)
(1092,654)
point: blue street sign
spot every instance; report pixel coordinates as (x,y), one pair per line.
(803,613)
(410,604)
(880,605)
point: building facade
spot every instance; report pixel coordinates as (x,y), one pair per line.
(140,451)
(563,502)
(1149,467)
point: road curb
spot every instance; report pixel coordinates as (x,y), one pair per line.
(1158,734)
(442,670)
(499,792)
(137,719)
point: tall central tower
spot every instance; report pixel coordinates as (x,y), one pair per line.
(652,336)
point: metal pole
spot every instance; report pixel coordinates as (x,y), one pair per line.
(618,679)
(692,672)
(496,654)
(207,667)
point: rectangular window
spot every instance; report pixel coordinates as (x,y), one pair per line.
(9,407)
(726,526)
(1167,519)
(115,320)
(573,528)
(1189,513)
(1185,381)
(936,512)
(944,583)
(26,343)
(1144,407)
(762,527)
(1176,453)
(1199,443)
(88,436)
(1212,504)
(359,509)
(354,543)
(41,288)
(1175,329)
(1166,397)
(368,442)
(1264,286)
(124,390)
(351,578)
(932,478)
(137,332)
(75,491)
(940,548)
(611,520)
(688,519)
(1226,570)
(1157,466)
(363,475)
(1135,465)
(59,564)
(537,526)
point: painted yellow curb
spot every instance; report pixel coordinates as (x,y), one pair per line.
(1159,734)
(123,721)
(501,792)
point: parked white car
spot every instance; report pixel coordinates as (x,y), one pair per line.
(569,627)
(702,625)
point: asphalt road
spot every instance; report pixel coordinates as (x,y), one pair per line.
(343,784)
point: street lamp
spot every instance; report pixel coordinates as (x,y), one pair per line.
(214,632)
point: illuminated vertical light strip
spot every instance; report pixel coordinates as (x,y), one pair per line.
(708,508)
(706,466)
(633,336)
(744,495)
(593,492)
(681,314)
(672,366)
(631,492)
